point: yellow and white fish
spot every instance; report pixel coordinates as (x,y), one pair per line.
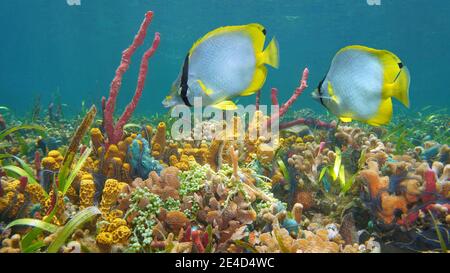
(360,84)
(226,63)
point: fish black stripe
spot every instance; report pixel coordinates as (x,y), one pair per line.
(184,79)
(319,90)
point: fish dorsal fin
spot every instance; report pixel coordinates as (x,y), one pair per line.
(225,105)
(384,114)
(257,34)
(257,82)
(359,48)
(255,31)
(206,90)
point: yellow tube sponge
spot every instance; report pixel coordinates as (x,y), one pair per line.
(160,139)
(110,194)
(87,192)
(37,193)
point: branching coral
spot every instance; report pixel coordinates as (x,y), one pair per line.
(409,185)
(320,240)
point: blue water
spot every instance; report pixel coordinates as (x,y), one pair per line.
(48,45)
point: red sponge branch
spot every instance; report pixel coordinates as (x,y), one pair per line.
(115,132)
(274,96)
(285,107)
(298,91)
(309,122)
(258,97)
(126,115)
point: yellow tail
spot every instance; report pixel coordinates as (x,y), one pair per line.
(396,81)
(271,55)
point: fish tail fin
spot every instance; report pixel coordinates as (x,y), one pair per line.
(401,87)
(271,55)
(397,78)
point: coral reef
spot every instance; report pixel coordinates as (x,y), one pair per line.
(312,186)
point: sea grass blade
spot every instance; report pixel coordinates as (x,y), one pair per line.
(27,240)
(77,221)
(11,130)
(34,247)
(22,163)
(439,234)
(246,246)
(362,159)
(76,169)
(322,173)
(209,230)
(349,183)
(284,170)
(73,147)
(342,180)
(24,148)
(17,172)
(33,223)
(337,164)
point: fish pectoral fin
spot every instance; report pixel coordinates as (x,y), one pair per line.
(335,99)
(332,94)
(345,119)
(271,54)
(206,90)
(383,115)
(225,105)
